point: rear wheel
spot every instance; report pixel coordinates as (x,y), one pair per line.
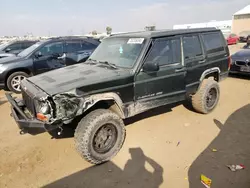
(207,97)
(99,136)
(14,81)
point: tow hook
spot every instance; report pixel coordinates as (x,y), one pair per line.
(22,132)
(60,131)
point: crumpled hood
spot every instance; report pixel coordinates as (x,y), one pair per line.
(84,77)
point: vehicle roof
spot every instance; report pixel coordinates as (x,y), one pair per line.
(69,38)
(89,39)
(162,33)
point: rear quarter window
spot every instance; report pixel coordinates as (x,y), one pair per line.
(213,42)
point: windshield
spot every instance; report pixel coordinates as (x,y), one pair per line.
(2,46)
(29,50)
(121,52)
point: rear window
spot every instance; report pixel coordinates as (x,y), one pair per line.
(73,46)
(27,44)
(88,46)
(213,42)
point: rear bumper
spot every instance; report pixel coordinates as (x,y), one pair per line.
(26,124)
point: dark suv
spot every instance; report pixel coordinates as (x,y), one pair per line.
(126,75)
(42,57)
(14,47)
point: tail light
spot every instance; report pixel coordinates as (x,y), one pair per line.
(229,62)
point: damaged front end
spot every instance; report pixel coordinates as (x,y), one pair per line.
(67,107)
(39,112)
(71,104)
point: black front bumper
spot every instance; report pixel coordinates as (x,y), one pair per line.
(236,70)
(26,124)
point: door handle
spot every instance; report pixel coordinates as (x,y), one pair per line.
(179,70)
(202,61)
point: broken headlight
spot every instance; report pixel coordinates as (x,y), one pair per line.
(42,107)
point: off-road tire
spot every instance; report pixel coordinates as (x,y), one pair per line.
(86,130)
(199,98)
(15,74)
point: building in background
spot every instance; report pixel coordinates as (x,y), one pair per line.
(241,20)
(224,26)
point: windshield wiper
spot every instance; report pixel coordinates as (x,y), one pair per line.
(91,61)
(103,62)
(107,63)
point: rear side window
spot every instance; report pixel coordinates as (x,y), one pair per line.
(52,48)
(15,46)
(213,42)
(88,46)
(27,44)
(192,46)
(165,52)
(73,46)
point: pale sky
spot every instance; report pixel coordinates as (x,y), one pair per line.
(64,17)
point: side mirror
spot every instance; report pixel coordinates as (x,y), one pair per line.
(151,67)
(55,55)
(7,50)
(38,54)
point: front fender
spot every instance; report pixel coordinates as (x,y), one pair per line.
(69,105)
(93,99)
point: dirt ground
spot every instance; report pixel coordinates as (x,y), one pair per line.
(166,147)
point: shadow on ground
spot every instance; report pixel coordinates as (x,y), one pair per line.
(68,130)
(240,76)
(233,145)
(108,175)
(2,101)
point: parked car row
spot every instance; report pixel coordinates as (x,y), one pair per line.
(244,36)
(15,47)
(42,57)
(231,38)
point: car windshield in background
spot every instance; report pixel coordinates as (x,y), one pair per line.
(2,46)
(29,50)
(121,52)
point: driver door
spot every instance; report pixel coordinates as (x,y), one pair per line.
(49,57)
(167,85)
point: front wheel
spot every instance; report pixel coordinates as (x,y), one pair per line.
(207,97)
(14,81)
(99,136)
